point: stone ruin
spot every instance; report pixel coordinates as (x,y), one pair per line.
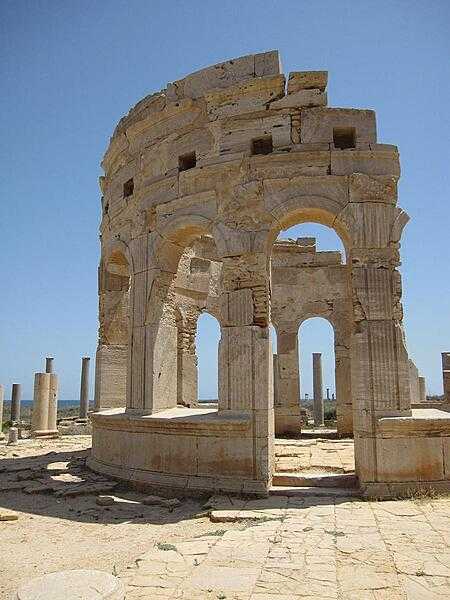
(200,179)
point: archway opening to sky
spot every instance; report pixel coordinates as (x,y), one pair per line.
(317,335)
(327,240)
(207,345)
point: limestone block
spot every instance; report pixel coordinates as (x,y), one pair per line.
(291,164)
(372,189)
(160,360)
(110,376)
(317,124)
(248,97)
(410,459)
(301,99)
(225,456)
(225,74)
(446,448)
(347,162)
(307,80)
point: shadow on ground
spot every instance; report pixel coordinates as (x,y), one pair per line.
(58,484)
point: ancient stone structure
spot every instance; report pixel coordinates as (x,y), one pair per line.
(446,376)
(49,364)
(84,387)
(45,405)
(317,389)
(226,158)
(2,397)
(16,397)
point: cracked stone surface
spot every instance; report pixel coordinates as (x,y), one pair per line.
(313,548)
(278,548)
(314,455)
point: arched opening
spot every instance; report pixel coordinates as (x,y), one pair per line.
(207,344)
(316,336)
(314,238)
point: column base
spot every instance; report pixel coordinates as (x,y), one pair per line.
(289,421)
(45,433)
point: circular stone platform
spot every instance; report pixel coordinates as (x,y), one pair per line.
(76,585)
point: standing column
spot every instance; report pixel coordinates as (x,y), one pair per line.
(84,387)
(446,375)
(16,395)
(318,391)
(2,396)
(53,404)
(287,405)
(39,418)
(422,390)
(49,364)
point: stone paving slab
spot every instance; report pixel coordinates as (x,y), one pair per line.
(314,455)
(313,548)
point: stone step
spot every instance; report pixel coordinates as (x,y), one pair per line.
(329,480)
(306,492)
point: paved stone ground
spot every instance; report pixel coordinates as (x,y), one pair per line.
(311,549)
(227,549)
(314,455)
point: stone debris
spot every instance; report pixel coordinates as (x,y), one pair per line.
(8,515)
(170,503)
(105,500)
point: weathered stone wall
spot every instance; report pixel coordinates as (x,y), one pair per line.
(234,153)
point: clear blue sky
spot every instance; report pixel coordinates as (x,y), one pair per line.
(70,70)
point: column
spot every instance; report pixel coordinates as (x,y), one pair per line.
(446,375)
(53,405)
(39,418)
(84,387)
(422,390)
(287,405)
(187,364)
(245,358)
(2,397)
(49,364)
(317,389)
(16,396)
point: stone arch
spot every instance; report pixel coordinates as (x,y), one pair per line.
(300,209)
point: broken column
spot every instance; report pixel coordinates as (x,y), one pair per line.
(49,364)
(84,387)
(317,389)
(16,395)
(422,390)
(446,375)
(45,400)
(2,396)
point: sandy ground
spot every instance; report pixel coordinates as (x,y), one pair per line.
(54,533)
(279,548)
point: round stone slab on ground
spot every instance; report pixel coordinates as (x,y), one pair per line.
(76,585)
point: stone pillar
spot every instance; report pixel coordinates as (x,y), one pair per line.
(49,364)
(187,364)
(2,397)
(344,408)
(318,389)
(413,382)
(380,368)
(152,364)
(39,419)
(110,376)
(84,387)
(287,404)
(422,390)
(245,358)
(446,375)
(16,396)
(53,405)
